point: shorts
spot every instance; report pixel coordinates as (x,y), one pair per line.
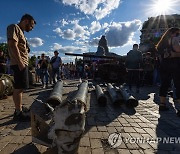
(38,71)
(21,78)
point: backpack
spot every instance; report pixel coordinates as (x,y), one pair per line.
(166,50)
(53,60)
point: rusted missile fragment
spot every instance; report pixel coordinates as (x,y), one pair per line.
(55,97)
(6,85)
(78,102)
(69,121)
(116,99)
(131,102)
(81,94)
(101,97)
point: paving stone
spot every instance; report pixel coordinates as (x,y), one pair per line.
(151,132)
(105,135)
(129,129)
(101,128)
(85,150)
(122,120)
(9,148)
(85,142)
(95,143)
(148,151)
(140,130)
(17,139)
(135,125)
(27,139)
(2,145)
(93,129)
(126,125)
(98,151)
(96,135)
(111,130)
(122,146)
(124,151)
(136,151)
(100,123)
(6,139)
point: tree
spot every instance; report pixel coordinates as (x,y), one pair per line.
(4,48)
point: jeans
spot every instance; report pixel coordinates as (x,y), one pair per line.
(169,70)
(134,77)
(44,73)
(55,71)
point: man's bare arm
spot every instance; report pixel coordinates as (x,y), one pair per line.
(14,48)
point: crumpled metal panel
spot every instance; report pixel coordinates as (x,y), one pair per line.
(69,122)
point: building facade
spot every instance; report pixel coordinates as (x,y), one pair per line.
(154,28)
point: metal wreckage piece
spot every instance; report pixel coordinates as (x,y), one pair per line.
(68,122)
(101,97)
(6,85)
(116,99)
(55,97)
(131,102)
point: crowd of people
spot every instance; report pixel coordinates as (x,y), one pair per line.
(162,69)
(53,69)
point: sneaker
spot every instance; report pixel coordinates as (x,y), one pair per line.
(43,86)
(21,117)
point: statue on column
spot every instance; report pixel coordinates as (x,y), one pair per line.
(102,47)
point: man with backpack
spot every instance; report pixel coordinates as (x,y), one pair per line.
(169,50)
(56,63)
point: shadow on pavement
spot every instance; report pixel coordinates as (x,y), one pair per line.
(27,149)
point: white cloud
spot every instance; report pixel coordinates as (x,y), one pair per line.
(35,42)
(38,53)
(56,46)
(68,34)
(95,27)
(68,59)
(77,32)
(120,34)
(48,36)
(105,25)
(81,31)
(64,22)
(58,30)
(69,49)
(94,42)
(97,8)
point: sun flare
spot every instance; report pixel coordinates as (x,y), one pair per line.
(162,7)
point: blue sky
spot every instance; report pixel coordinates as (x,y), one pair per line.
(76,25)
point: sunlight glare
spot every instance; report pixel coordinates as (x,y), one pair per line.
(161,7)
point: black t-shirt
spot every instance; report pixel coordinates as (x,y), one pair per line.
(43,64)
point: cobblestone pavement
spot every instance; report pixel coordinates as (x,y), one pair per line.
(143,130)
